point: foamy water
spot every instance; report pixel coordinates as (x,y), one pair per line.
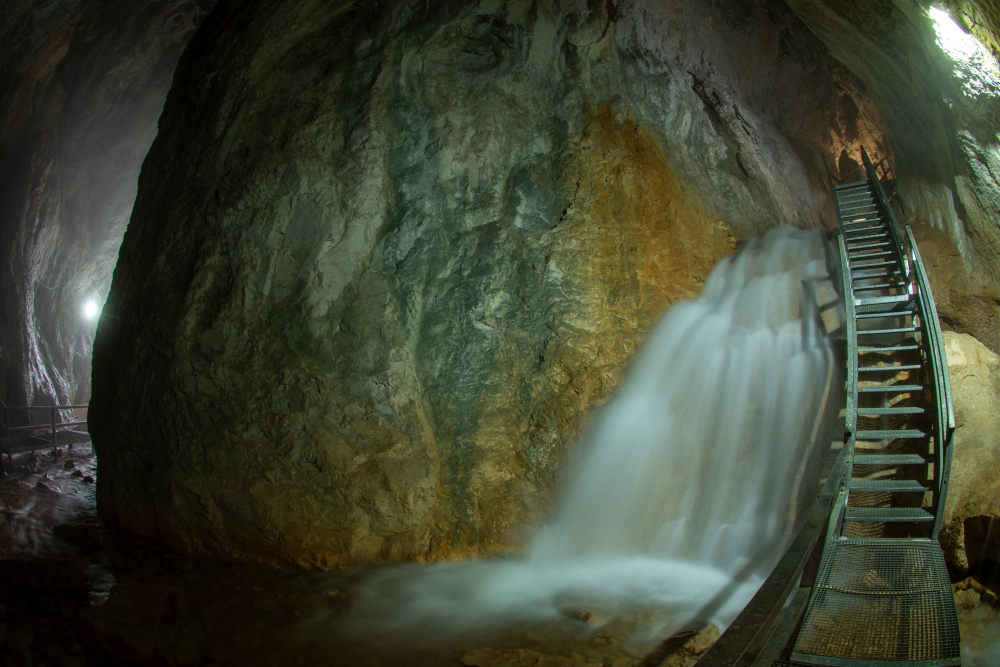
(688,484)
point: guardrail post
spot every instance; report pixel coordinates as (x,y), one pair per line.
(6,440)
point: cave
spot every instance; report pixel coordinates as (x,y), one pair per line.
(331,303)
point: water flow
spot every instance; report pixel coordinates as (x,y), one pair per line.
(689,482)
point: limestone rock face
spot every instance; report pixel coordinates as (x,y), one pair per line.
(966,300)
(974,491)
(384,262)
(83,82)
(943,133)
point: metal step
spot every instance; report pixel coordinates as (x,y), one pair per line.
(853,185)
(873,224)
(868,245)
(876,412)
(902,312)
(889,485)
(880,602)
(887,514)
(896,369)
(878,332)
(883,303)
(877,273)
(890,434)
(866,255)
(891,388)
(878,286)
(872,265)
(889,460)
(872,349)
(881,235)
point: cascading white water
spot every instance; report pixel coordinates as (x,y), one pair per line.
(687,485)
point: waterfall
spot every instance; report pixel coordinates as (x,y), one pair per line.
(687,486)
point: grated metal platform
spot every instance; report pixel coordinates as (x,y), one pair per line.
(878,603)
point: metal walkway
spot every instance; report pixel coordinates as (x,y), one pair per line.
(881,595)
(62,427)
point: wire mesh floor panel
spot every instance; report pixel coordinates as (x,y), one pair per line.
(881,600)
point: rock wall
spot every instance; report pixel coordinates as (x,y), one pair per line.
(973,494)
(83,84)
(385,261)
(946,139)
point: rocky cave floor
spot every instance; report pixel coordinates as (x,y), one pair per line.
(74,593)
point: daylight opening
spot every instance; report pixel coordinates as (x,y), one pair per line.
(972,62)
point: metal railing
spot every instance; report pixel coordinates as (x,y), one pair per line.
(769,620)
(35,434)
(885,175)
(744,640)
(919,284)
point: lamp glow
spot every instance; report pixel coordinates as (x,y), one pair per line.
(90,310)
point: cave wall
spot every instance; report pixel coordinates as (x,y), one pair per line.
(83,83)
(945,140)
(974,492)
(385,260)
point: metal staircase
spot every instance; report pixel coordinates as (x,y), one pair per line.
(864,582)
(882,595)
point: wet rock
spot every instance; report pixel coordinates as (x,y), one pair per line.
(33,464)
(384,342)
(88,479)
(76,473)
(47,488)
(966,599)
(83,86)
(966,299)
(588,617)
(85,536)
(489,657)
(148,624)
(684,650)
(21,638)
(973,493)
(44,573)
(69,465)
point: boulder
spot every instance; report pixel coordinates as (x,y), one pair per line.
(386,260)
(973,501)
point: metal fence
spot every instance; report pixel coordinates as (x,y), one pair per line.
(40,427)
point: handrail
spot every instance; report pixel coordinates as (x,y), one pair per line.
(35,427)
(750,632)
(884,162)
(51,425)
(923,282)
(48,407)
(747,634)
(850,420)
(938,358)
(882,203)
